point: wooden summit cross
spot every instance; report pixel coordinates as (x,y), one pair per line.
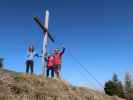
(47,35)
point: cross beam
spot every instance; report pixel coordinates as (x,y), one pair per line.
(36,19)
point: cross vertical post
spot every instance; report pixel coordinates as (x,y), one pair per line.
(47,36)
(45,43)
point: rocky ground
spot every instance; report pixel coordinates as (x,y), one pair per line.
(19,86)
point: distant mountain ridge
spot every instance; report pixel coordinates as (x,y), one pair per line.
(19,86)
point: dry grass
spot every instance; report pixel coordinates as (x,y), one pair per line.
(32,87)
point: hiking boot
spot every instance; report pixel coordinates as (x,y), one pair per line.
(49,78)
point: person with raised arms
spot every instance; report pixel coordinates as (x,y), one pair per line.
(30,59)
(58,60)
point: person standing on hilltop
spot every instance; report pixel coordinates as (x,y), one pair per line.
(57,60)
(30,59)
(50,65)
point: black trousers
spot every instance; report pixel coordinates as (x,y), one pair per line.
(29,66)
(52,71)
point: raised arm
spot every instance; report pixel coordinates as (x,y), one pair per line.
(37,55)
(63,50)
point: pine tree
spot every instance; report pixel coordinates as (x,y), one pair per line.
(115,78)
(128,86)
(109,88)
(114,87)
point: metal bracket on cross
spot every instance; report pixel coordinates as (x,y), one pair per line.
(47,35)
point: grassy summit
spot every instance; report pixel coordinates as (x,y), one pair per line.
(19,86)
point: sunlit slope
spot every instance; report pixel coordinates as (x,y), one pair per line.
(18,86)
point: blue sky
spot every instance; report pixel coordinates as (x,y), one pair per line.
(97,32)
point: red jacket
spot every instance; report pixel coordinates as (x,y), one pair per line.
(57,57)
(50,61)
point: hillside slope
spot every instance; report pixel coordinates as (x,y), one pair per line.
(18,86)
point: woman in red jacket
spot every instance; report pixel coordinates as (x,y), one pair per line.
(57,60)
(50,66)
